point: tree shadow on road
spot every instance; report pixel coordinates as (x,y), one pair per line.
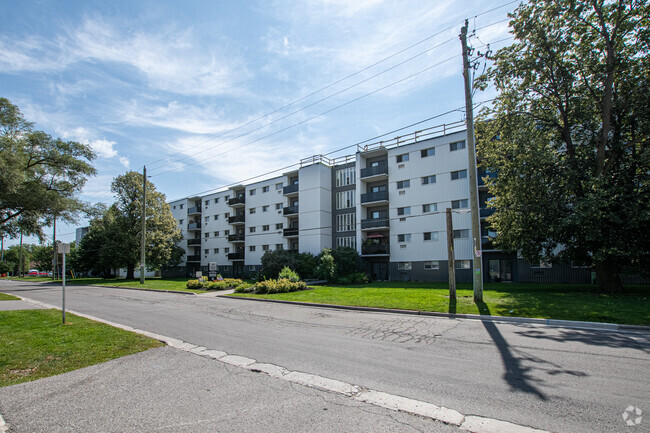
(637,341)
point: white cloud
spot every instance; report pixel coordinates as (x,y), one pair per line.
(124,161)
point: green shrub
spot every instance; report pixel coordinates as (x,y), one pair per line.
(194,285)
(282,285)
(326,268)
(287,273)
(226,283)
(358,278)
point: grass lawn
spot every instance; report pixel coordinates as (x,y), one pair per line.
(5,297)
(177,284)
(35,344)
(548,301)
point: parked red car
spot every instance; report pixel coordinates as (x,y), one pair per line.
(33,273)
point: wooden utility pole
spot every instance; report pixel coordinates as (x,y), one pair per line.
(450,254)
(473,184)
(21,261)
(55,258)
(144,223)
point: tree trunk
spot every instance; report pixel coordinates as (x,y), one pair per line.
(608,279)
(130,269)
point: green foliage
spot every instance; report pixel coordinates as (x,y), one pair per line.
(287,273)
(568,136)
(226,283)
(194,284)
(302,263)
(6,267)
(42,257)
(13,257)
(347,260)
(326,268)
(282,285)
(39,175)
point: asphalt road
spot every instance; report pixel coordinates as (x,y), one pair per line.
(562,380)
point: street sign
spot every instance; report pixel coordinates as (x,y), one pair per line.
(199,274)
(213,266)
(478,253)
(63,248)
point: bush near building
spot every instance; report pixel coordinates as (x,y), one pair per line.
(224,284)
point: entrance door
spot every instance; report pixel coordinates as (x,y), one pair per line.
(500,270)
(379,271)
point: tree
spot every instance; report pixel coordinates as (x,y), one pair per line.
(326,268)
(123,234)
(347,260)
(97,252)
(568,135)
(39,175)
(42,257)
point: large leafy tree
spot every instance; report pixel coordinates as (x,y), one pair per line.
(568,135)
(40,176)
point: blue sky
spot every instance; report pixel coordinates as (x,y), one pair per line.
(194,90)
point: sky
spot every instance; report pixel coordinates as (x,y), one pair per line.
(206,94)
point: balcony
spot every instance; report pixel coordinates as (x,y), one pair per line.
(237,219)
(374,197)
(486,211)
(375,249)
(194,242)
(290,189)
(290,232)
(235,256)
(374,223)
(290,210)
(194,210)
(237,201)
(194,226)
(193,259)
(238,237)
(374,173)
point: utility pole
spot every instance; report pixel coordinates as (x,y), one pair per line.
(450,254)
(473,184)
(144,223)
(21,263)
(55,258)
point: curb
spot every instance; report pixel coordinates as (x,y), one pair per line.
(473,423)
(550,323)
(112,287)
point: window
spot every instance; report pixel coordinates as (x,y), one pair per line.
(207,202)
(460,174)
(207,218)
(345,176)
(265,189)
(461,234)
(216,200)
(226,215)
(345,199)
(347,241)
(431,236)
(251,210)
(279,226)
(227,197)
(251,230)
(346,222)
(173,206)
(403,184)
(251,248)
(463,264)
(404,237)
(432,265)
(430,207)
(279,247)
(265,208)
(180,221)
(206,251)
(429,179)
(265,247)
(278,206)
(402,158)
(428,152)
(226,232)
(545,265)
(251,192)
(404,210)
(226,250)
(404,266)
(459,204)
(278,185)
(457,145)
(181,206)
(216,217)
(265,228)
(207,235)
(216,250)
(216,234)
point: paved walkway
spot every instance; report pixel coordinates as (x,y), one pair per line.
(18,305)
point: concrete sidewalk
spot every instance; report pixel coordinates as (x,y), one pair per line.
(169,390)
(18,305)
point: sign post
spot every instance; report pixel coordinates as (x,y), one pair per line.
(63,249)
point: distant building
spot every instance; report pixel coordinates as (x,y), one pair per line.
(81,232)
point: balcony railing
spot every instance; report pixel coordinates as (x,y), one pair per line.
(193,210)
(375,249)
(291,231)
(374,171)
(238,237)
(290,210)
(374,223)
(486,211)
(194,226)
(290,189)
(374,196)
(193,259)
(194,242)
(235,256)
(237,200)
(236,219)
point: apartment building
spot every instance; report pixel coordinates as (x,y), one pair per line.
(387,201)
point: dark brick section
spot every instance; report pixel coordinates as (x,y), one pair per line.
(335,211)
